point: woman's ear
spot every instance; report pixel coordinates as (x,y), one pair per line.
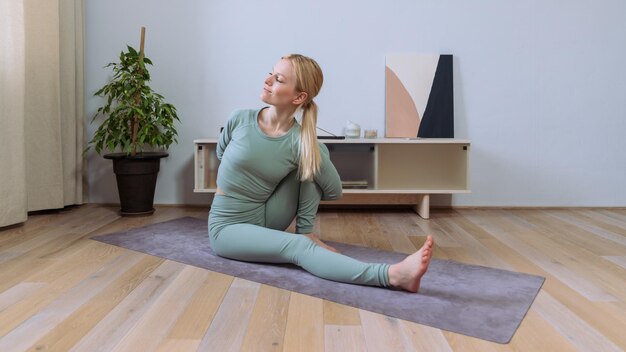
(300,98)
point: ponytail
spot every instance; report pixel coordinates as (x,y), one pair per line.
(310,158)
(309,79)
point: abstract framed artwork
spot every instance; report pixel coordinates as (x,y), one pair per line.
(419,96)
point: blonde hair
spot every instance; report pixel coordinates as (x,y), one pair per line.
(309,79)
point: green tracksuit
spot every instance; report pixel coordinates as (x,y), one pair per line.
(258,174)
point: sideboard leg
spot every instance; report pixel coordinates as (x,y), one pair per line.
(422,208)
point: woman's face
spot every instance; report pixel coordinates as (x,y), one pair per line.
(279,88)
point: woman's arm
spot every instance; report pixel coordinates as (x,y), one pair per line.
(328,177)
(225,136)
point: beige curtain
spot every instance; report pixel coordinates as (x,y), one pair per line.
(41,96)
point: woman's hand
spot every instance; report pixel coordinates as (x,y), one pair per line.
(315,238)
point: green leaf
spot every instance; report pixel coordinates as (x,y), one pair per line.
(128,96)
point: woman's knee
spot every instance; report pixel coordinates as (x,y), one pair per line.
(298,247)
(216,245)
(228,248)
(219,242)
(282,205)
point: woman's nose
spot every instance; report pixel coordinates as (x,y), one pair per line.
(268,80)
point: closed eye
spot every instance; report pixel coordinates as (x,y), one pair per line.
(275,77)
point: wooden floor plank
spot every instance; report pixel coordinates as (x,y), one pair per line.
(341,315)
(438,251)
(195,320)
(46,319)
(617,214)
(589,224)
(37,219)
(370,230)
(116,324)
(129,222)
(342,229)
(397,227)
(425,338)
(619,260)
(29,238)
(607,320)
(576,330)
(580,252)
(229,326)
(38,258)
(305,324)
(266,330)
(17,293)
(565,231)
(458,342)
(468,236)
(77,325)
(602,218)
(384,333)
(433,228)
(155,323)
(537,334)
(61,291)
(344,338)
(59,276)
(539,250)
(171,345)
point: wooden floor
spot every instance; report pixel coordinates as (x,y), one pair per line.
(61,291)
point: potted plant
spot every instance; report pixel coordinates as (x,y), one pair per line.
(139,125)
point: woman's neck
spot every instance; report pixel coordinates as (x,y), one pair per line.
(276,121)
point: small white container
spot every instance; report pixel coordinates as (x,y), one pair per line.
(370,134)
(352,130)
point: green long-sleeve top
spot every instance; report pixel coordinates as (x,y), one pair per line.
(253,163)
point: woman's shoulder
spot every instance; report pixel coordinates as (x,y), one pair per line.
(243,116)
(241,113)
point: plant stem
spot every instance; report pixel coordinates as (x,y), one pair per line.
(135,123)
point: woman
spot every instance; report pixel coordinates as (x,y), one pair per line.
(272,170)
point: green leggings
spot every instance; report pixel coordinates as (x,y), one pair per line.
(249,231)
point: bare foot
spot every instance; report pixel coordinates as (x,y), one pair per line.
(315,238)
(408,273)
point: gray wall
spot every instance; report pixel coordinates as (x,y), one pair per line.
(540,86)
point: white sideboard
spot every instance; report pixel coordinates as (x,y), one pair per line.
(376,171)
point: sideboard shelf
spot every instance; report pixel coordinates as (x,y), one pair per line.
(383,170)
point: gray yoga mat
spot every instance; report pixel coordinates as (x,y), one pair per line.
(472,300)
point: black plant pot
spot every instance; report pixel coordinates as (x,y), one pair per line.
(136,180)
